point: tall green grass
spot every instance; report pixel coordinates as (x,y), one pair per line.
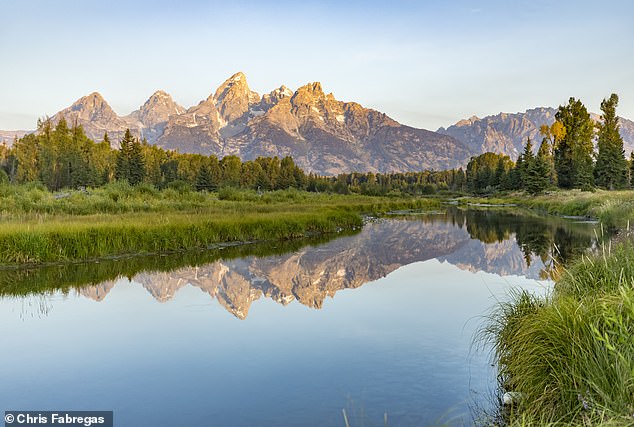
(571,354)
(64,277)
(40,227)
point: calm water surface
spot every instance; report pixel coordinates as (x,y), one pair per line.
(380,322)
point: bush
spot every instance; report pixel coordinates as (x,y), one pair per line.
(181,187)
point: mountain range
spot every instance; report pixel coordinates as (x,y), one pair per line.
(322,134)
(506,133)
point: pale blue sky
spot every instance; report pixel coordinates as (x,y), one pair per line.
(426,64)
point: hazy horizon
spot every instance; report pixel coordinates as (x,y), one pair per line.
(424,64)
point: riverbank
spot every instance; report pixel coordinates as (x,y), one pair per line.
(38,227)
(570,356)
(613,209)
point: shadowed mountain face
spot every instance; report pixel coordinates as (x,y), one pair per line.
(322,134)
(506,133)
(471,240)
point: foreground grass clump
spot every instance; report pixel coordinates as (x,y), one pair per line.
(571,355)
(40,227)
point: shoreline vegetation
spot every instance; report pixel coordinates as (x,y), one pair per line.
(568,358)
(39,227)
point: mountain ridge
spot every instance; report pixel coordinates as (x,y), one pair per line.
(322,134)
(506,133)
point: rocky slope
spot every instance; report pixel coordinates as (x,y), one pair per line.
(507,132)
(322,134)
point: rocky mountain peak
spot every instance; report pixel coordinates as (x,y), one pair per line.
(308,93)
(92,106)
(157,109)
(233,98)
(272,98)
(95,115)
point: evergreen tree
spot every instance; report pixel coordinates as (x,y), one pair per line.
(204,181)
(528,159)
(122,166)
(136,163)
(515,175)
(573,153)
(611,168)
(537,179)
(545,154)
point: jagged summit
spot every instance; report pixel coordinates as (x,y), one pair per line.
(233,98)
(322,134)
(156,110)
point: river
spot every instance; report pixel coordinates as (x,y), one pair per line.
(378,325)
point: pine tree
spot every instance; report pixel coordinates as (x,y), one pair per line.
(136,163)
(573,153)
(515,174)
(528,159)
(611,168)
(538,173)
(204,181)
(122,166)
(546,155)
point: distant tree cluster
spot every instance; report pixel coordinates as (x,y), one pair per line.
(565,158)
(62,156)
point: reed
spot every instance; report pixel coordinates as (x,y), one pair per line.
(571,354)
(40,227)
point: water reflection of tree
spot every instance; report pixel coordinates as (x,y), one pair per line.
(554,241)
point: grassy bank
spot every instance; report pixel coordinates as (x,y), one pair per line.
(40,227)
(571,355)
(611,208)
(65,277)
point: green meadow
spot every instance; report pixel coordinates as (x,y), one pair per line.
(38,226)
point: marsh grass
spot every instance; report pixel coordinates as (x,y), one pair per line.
(571,354)
(41,280)
(611,208)
(40,227)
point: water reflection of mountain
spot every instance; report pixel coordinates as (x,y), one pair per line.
(503,244)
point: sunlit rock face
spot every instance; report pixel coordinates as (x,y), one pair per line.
(322,134)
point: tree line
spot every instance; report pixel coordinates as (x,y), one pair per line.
(565,158)
(62,156)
